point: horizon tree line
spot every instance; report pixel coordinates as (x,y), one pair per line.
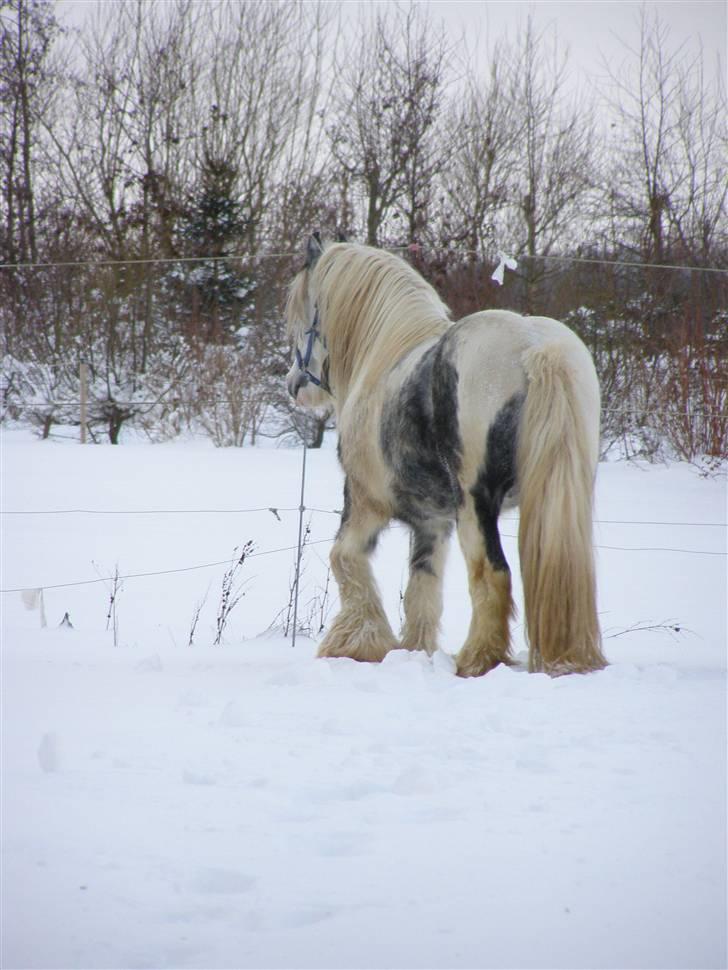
(216,136)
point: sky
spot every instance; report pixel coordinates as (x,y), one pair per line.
(589,26)
(594,31)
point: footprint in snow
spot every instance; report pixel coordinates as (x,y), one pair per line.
(285,678)
(307,916)
(235,715)
(414,781)
(194,698)
(222,882)
(190,777)
(336,844)
(49,757)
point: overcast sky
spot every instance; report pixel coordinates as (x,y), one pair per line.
(592,29)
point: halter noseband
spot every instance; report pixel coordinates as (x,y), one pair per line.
(303,360)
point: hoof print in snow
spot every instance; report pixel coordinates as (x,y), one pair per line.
(222,881)
(48,753)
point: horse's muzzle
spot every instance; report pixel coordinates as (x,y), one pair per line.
(295,381)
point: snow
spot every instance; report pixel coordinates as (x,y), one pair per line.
(248,805)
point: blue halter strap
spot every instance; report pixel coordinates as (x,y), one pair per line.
(303,360)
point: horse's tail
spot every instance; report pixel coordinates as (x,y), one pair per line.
(557,454)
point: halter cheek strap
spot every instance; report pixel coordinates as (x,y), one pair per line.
(303,360)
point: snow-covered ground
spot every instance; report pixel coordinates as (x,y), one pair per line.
(246,805)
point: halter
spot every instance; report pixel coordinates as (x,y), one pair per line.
(303,360)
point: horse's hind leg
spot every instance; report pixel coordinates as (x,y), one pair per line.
(423,597)
(488,640)
(361,630)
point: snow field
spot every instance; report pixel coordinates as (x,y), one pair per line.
(249,806)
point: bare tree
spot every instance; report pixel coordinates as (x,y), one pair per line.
(122,125)
(305,184)
(554,174)
(486,127)
(670,172)
(697,209)
(422,75)
(260,98)
(27,31)
(390,99)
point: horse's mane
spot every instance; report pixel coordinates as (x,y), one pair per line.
(373,308)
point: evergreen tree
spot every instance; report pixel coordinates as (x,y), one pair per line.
(220,288)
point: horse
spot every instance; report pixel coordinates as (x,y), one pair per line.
(445,423)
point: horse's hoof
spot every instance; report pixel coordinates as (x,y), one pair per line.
(480,666)
(428,648)
(369,652)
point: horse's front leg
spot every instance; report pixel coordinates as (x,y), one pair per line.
(423,597)
(361,629)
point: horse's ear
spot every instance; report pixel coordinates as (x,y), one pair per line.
(314,249)
(340,236)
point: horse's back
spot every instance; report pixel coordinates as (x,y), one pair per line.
(504,332)
(493,351)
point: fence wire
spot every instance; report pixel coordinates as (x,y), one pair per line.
(412,249)
(160,572)
(275,510)
(312,542)
(76,405)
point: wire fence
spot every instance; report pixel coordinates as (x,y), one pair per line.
(276,510)
(158,572)
(642,412)
(687,428)
(413,249)
(669,413)
(310,542)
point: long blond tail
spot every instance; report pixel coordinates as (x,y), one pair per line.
(556,467)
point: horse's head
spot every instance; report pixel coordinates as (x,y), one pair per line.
(308,378)
(353,311)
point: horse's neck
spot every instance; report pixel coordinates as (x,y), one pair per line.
(392,346)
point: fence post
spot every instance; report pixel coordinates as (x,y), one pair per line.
(83,375)
(301,510)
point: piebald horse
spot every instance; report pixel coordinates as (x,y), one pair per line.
(443,423)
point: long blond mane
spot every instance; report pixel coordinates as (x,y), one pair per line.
(373,308)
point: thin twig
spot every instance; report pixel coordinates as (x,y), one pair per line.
(673,627)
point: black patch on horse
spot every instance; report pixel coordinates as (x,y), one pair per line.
(422,548)
(346,511)
(420,440)
(371,543)
(497,476)
(325,374)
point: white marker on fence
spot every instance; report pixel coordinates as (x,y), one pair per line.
(504,262)
(33,600)
(301,510)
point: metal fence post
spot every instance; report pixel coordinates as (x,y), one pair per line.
(83,375)
(301,510)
